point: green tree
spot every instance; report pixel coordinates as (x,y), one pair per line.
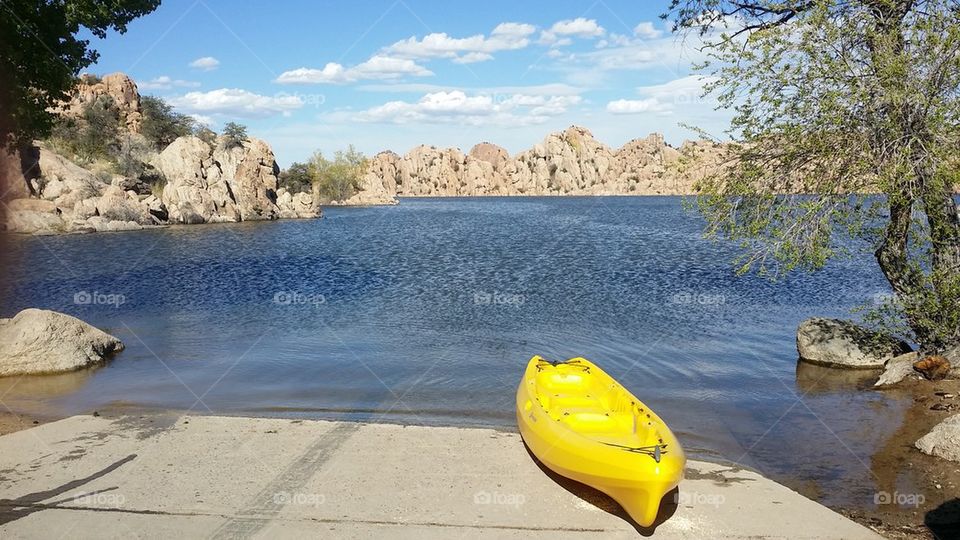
(161,124)
(204,133)
(93,135)
(234,134)
(338,179)
(296,178)
(40,55)
(837,99)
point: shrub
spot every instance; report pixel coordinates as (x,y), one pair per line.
(133,153)
(161,125)
(234,134)
(205,134)
(296,178)
(339,179)
(156,187)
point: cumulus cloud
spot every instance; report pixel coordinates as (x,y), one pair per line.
(560,33)
(476,48)
(235,102)
(457,106)
(683,92)
(647,30)
(205,63)
(635,106)
(473,57)
(377,67)
(164,82)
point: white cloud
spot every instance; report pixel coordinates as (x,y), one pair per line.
(202,119)
(482,109)
(647,30)
(548,89)
(235,102)
(205,63)
(472,57)
(377,67)
(506,36)
(635,106)
(682,93)
(164,82)
(560,33)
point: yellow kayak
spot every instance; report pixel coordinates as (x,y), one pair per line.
(584,425)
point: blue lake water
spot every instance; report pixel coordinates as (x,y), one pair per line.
(428,311)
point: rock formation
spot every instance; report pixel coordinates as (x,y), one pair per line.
(225,183)
(38,341)
(571,162)
(118,87)
(838,343)
(46,193)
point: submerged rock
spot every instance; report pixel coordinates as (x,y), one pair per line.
(39,341)
(943,441)
(843,344)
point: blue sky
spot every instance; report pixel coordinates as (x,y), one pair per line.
(312,75)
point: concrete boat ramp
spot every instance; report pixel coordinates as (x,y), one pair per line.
(164,475)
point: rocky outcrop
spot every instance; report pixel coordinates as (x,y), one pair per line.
(571,162)
(297,205)
(121,90)
(190,181)
(68,198)
(943,441)
(223,183)
(838,343)
(38,341)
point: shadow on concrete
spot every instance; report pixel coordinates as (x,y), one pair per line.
(944,520)
(21,507)
(601,500)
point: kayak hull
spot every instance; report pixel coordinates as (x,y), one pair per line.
(583,425)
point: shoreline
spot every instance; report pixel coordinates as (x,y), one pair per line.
(907,467)
(303,477)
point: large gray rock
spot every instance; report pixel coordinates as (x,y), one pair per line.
(38,341)
(32,216)
(838,343)
(943,440)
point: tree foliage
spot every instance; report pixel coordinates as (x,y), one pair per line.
(234,134)
(855,104)
(92,135)
(296,178)
(337,179)
(40,55)
(161,125)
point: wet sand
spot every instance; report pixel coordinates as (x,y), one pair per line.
(11,422)
(929,487)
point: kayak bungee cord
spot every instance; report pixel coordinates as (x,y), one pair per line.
(654,450)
